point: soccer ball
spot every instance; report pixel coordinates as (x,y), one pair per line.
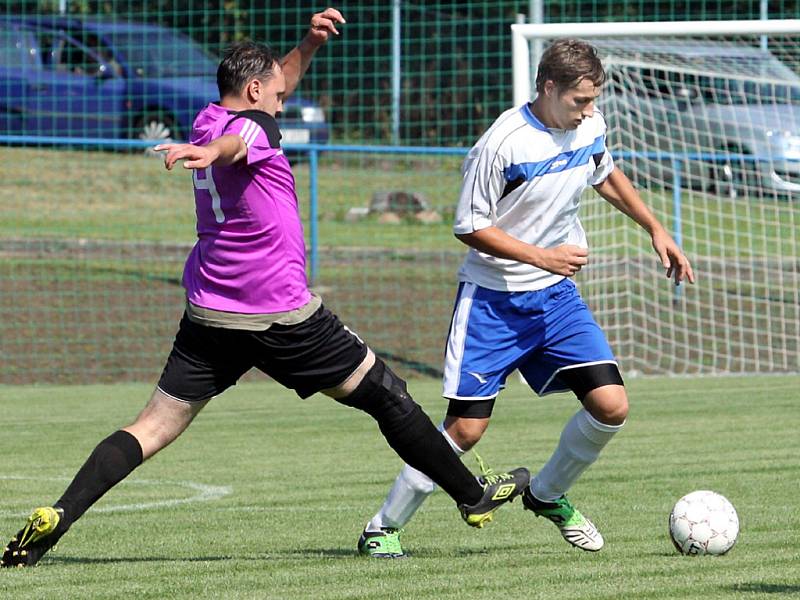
(703,522)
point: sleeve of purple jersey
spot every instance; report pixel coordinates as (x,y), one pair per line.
(256,139)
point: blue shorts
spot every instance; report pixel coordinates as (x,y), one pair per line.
(540,332)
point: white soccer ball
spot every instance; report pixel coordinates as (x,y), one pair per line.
(703,522)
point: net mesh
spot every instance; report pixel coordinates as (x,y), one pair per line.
(94,231)
(709,130)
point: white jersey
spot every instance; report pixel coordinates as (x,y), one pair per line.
(527,180)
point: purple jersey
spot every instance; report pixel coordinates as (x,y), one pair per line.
(250,254)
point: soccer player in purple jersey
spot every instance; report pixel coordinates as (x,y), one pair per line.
(248,305)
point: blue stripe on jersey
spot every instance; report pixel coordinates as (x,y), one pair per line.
(531,118)
(555,164)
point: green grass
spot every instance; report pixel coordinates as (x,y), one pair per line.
(130,197)
(304,477)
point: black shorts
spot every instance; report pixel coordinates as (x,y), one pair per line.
(314,355)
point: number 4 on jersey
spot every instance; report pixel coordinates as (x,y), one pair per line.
(208,184)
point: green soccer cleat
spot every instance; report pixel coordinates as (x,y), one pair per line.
(381,544)
(574,527)
(497,490)
(44,528)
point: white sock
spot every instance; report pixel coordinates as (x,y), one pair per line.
(409,491)
(581,442)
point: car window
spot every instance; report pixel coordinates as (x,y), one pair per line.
(100,49)
(47,43)
(76,60)
(163,53)
(729,90)
(659,84)
(17,49)
(65,56)
(722,90)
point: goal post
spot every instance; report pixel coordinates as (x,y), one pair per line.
(704,117)
(523,72)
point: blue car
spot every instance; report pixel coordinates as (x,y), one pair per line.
(89,79)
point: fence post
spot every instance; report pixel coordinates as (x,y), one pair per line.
(536,15)
(313,215)
(397,54)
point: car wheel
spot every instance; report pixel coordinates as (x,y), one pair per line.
(156,126)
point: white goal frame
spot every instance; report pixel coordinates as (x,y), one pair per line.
(743,315)
(521,33)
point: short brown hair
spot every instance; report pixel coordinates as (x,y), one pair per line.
(566,62)
(242,62)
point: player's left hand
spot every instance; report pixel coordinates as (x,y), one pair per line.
(195,157)
(323,24)
(673,260)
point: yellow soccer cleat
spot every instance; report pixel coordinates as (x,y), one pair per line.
(44,528)
(497,490)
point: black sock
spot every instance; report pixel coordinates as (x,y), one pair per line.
(410,433)
(110,462)
(418,442)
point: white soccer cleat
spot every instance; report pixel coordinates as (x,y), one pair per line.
(574,527)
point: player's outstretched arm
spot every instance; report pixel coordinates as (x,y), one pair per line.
(295,64)
(618,191)
(223,151)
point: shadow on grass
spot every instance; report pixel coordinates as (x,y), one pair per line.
(766,588)
(287,555)
(414,365)
(430,552)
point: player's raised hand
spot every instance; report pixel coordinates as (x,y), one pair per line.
(323,24)
(564,260)
(194,157)
(672,259)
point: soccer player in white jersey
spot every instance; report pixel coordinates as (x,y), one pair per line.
(516,306)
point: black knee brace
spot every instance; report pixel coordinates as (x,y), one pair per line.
(381,394)
(582,380)
(409,431)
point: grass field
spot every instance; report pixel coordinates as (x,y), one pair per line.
(282,488)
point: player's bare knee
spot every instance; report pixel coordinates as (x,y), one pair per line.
(465,432)
(621,411)
(600,389)
(615,416)
(608,404)
(466,420)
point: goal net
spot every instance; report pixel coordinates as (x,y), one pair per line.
(704,117)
